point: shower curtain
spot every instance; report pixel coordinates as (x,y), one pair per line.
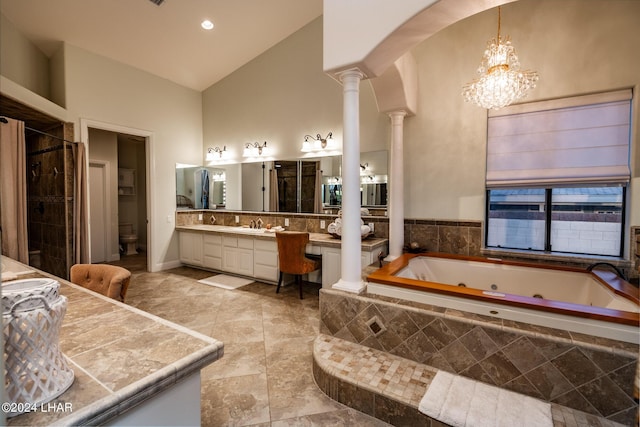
(80,214)
(13,190)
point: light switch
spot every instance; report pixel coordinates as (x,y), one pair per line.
(322,224)
(286,222)
(199,217)
(237,219)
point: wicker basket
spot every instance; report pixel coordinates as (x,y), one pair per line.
(36,371)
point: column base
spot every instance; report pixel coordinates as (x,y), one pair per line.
(353,287)
(390,257)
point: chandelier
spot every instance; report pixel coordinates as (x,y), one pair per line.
(501,81)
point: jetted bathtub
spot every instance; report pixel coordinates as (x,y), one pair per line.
(591,302)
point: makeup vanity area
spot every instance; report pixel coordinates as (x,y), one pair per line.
(212,220)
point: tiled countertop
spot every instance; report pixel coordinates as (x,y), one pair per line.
(120,356)
(319,239)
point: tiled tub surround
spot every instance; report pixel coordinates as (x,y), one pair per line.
(121,357)
(598,303)
(590,374)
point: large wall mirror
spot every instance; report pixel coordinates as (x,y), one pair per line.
(199,187)
(309,185)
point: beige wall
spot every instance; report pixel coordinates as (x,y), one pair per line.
(282,95)
(576,46)
(22,62)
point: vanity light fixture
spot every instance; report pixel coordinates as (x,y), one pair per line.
(255,149)
(211,151)
(365,168)
(317,143)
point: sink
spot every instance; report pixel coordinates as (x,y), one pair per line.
(247,230)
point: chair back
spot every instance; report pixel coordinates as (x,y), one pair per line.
(291,247)
(109,280)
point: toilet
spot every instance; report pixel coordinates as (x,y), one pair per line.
(128,239)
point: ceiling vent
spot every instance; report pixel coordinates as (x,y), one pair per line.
(157,2)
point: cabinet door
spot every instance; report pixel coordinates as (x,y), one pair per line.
(190,248)
(212,256)
(245,262)
(265,260)
(230,259)
(331,266)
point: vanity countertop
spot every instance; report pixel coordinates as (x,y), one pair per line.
(120,356)
(319,239)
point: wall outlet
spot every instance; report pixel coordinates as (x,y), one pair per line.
(199,217)
(371,227)
(286,222)
(237,219)
(322,224)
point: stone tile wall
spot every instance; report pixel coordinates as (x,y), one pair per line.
(591,374)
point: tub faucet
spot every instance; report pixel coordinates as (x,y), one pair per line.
(606,264)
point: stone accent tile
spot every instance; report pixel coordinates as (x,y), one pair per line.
(478,343)
(573,399)
(421,347)
(398,414)
(453,240)
(439,362)
(621,378)
(500,337)
(606,360)
(548,381)
(438,333)
(523,386)
(421,318)
(605,396)
(476,372)
(550,349)
(475,241)
(523,354)
(458,328)
(425,235)
(499,368)
(402,325)
(576,367)
(458,356)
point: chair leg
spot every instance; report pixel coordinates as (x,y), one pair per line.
(279,283)
(299,280)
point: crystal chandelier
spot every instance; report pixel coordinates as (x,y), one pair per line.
(501,81)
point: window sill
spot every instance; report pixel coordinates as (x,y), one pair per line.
(565,258)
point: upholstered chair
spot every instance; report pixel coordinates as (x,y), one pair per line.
(291,256)
(109,280)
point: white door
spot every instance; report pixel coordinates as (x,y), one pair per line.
(98,215)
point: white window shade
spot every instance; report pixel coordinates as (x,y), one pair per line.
(581,140)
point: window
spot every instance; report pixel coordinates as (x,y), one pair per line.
(585,220)
(557,173)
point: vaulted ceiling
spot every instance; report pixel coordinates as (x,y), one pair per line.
(167,39)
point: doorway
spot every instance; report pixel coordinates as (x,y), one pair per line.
(124,205)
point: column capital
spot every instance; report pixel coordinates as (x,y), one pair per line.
(350,74)
(397,114)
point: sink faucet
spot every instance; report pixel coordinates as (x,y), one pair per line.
(259,223)
(252,224)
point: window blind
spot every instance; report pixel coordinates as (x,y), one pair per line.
(572,141)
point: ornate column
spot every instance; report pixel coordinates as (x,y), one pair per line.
(351,269)
(396,190)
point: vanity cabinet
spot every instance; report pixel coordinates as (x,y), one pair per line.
(265,260)
(332,263)
(237,255)
(191,248)
(212,256)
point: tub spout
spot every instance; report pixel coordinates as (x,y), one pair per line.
(606,264)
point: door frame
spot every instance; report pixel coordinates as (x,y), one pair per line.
(85,124)
(106,172)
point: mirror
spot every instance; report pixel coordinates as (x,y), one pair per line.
(199,187)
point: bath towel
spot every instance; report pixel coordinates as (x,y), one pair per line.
(462,402)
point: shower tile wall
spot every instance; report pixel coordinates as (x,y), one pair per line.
(591,374)
(49,214)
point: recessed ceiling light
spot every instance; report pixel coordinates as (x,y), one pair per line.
(207,25)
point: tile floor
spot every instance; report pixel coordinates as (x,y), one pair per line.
(265,377)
